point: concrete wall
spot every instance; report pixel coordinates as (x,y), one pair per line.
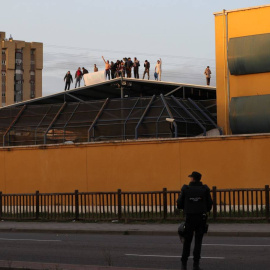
(241,23)
(227,162)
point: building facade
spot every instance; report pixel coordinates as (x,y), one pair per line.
(242,42)
(21,70)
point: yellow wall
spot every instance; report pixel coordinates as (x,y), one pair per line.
(247,22)
(227,162)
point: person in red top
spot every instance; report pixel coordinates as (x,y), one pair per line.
(78,77)
(107,67)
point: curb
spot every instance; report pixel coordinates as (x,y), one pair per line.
(131,232)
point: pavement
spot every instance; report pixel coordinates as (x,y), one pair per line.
(161,229)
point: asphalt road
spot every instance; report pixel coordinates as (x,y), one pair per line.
(161,252)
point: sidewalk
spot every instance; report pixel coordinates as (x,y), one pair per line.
(231,229)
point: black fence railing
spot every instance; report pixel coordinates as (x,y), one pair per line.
(230,204)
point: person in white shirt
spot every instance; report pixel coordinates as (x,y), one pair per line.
(158,69)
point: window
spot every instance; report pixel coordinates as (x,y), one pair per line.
(3,94)
(3,83)
(3,62)
(18,55)
(32,72)
(3,51)
(3,73)
(32,51)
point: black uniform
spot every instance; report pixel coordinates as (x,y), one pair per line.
(68,78)
(196,201)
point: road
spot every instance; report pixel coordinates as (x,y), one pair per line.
(161,252)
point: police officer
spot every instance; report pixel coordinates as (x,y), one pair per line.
(196,201)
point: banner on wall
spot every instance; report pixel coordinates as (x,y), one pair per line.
(94,78)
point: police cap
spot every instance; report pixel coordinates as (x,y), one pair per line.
(196,175)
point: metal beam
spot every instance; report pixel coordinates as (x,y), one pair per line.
(53,121)
(143,115)
(129,116)
(13,123)
(190,114)
(174,90)
(44,116)
(205,115)
(76,98)
(69,120)
(170,114)
(97,116)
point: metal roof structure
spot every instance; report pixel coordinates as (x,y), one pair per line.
(75,116)
(127,88)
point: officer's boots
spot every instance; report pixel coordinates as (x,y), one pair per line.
(183,266)
(196,266)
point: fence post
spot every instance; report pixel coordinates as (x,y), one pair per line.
(165,209)
(37,204)
(119,204)
(76,204)
(267,202)
(0,204)
(214,202)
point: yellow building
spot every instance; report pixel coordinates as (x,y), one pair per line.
(248,29)
(21,68)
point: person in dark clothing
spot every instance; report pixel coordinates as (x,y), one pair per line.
(113,69)
(78,77)
(84,71)
(146,69)
(196,201)
(129,67)
(136,68)
(68,78)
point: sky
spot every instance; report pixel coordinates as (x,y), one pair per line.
(77,33)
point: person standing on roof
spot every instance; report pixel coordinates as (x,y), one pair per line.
(113,69)
(78,77)
(207,74)
(107,68)
(129,67)
(95,68)
(68,78)
(136,68)
(84,71)
(158,69)
(122,68)
(146,69)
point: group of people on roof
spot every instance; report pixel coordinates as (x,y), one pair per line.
(120,68)
(123,68)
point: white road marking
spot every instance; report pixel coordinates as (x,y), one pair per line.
(232,245)
(34,240)
(167,256)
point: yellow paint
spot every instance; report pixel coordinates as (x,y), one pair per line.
(227,162)
(246,22)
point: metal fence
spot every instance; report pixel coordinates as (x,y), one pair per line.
(229,204)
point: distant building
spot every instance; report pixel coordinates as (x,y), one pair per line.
(21,70)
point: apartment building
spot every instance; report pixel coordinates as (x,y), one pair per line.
(21,70)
